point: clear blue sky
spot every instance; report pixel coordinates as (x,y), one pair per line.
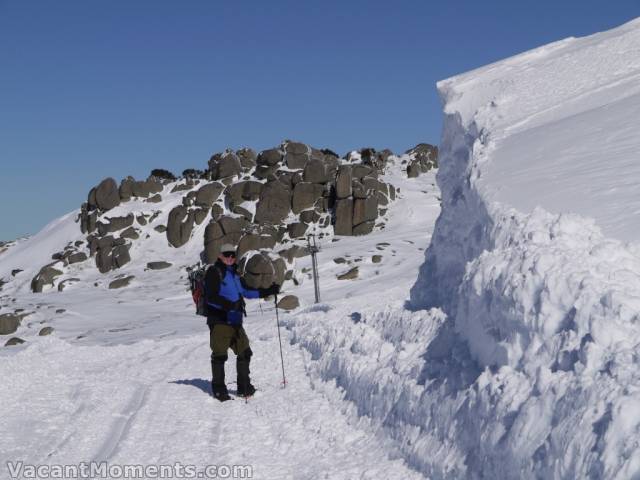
(90,89)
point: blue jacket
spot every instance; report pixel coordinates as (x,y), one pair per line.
(225,291)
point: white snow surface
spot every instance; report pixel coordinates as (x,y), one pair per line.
(558,126)
(530,262)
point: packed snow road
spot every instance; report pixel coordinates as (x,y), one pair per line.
(149,403)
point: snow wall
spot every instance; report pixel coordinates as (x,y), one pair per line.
(548,307)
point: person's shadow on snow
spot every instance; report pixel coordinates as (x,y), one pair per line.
(200,383)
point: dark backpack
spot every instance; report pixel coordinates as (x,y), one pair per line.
(198,293)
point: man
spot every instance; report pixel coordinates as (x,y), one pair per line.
(225,295)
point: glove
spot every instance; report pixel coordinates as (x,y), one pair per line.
(274,289)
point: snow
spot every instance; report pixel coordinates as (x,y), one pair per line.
(529,262)
(562,126)
(36,251)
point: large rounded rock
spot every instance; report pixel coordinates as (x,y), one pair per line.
(179,226)
(343,182)
(91,199)
(265,171)
(371,183)
(126,188)
(115,224)
(225,230)
(103,251)
(9,322)
(231,225)
(159,265)
(382,199)
(297,229)
(233,193)
(305,195)
(350,274)
(269,158)
(344,217)
(107,194)
(13,341)
(274,204)
(247,158)
(258,271)
(45,276)
(414,169)
(315,172)
(255,241)
(289,302)
(130,233)
(121,282)
(139,188)
(364,228)
(280,267)
(208,194)
(45,331)
(76,258)
(296,155)
(310,216)
(224,165)
(365,210)
(361,171)
(88,219)
(212,242)
(120,256)
(200,215)
(243,191)
(357,189)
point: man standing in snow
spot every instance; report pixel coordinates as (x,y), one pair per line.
(225,293)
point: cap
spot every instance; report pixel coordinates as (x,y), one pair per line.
(227,247)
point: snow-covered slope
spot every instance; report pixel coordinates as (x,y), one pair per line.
(538,172)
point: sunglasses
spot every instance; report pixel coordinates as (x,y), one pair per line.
(229,254)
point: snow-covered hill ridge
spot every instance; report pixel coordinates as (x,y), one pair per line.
(557,126)
(547,303)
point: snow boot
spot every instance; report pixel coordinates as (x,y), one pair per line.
(245,389)
(218,387)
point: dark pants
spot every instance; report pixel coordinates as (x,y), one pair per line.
(223,337)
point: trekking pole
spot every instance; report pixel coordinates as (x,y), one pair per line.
(284,380)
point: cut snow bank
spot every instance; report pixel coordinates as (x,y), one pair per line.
(537,158)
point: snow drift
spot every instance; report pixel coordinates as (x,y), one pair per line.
(528,258)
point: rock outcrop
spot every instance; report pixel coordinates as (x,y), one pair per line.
(262,202)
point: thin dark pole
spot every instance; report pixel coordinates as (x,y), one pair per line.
(313,249)
(284,380)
